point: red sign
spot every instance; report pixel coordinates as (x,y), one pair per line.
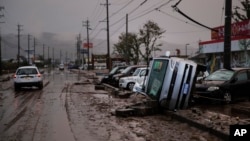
(86,45)
(237,29)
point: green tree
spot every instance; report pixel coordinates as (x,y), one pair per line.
(129,47)
(148,36)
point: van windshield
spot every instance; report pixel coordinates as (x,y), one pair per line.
(156,77)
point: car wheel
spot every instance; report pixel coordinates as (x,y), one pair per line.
(16,87)
(227,97)
(130,86)
(40,86)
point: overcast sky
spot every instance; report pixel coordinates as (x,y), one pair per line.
(65,17)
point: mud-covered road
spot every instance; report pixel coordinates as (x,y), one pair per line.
(70,109)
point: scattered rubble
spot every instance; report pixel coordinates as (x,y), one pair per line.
(140,106)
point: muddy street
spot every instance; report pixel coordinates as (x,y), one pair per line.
(70,109)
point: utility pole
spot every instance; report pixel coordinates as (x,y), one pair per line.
(1,7)
(108,52)
(87,26)
(43,54)
(29,49)
(108,64)
(53,59)
(127,56)
(1,54)
(34,50)
(78,44)
(66,57)
(18,36)
(227,34)
(48,56)
(60,56)
(186,50)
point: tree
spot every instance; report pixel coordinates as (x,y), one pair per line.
(242,13)
(128,47)
(149,35)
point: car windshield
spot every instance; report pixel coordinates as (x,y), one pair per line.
(220,75)
(26,71)
(137,71)
(114,70)
(125,71)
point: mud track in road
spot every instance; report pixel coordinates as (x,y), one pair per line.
(16,120)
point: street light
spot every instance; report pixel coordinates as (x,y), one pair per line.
(186,49)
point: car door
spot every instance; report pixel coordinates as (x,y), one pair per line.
(240,85)
(141,77)
(132,71)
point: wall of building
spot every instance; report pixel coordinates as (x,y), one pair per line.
(214,50)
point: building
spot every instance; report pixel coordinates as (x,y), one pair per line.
(213,50)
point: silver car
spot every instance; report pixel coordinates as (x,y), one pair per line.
(61,67)
(129,81)
(28,76)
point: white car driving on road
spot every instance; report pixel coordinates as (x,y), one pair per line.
(28,76)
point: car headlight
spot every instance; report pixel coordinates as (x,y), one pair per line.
(213,89)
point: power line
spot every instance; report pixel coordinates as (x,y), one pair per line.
(95,28)
(121,8)
(96,34)
(122,18)
(137,7)
(97,11)
(183,14)
(147,12)
(117,29)
(129,13)
(183,32)
(222,12)
(165,3)
(165,13)
(186,16)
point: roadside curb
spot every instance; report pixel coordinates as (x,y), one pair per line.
(198,125)
(241,110)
